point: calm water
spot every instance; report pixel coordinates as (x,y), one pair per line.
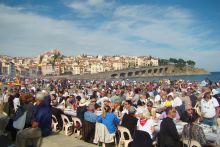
(213,76)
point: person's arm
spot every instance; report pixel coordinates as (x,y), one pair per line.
(116,120)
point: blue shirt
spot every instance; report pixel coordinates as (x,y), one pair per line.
(43,116)
(110,121)
(89,116)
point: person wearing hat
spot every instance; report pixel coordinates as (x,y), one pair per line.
(209,108)
(82,108)
(129,120)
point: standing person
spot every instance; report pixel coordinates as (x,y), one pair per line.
(168,135)
(209,108)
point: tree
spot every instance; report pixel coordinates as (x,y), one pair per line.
(191,63)
(173,60)
(181,63)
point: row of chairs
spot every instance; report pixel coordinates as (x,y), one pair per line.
(75,126)
(69,127)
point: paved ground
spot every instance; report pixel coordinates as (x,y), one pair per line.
(60,140)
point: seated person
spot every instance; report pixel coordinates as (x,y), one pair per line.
(90,115)
(89,124)
(41,125)
(193,130)
(145,123)
(109,119)
(129,121)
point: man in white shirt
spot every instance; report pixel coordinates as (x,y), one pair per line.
(209,108)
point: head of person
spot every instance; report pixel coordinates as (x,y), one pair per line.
(39,98)
(169,97)
(127,104)
(93,100)
(105,110)
(207,94)
(171,112)
(189,109)
(143,96)
(91,108)
(132,111)
(149,105)
(145,115)
(194,118)
(26,98)
(106,101)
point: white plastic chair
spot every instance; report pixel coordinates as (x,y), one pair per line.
(122,141)
(54,124)
(197,108)
(67,125)
(218,122)
(77,131)
(191,143)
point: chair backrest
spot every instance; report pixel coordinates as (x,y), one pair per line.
(124,131)
(65,119)
(54,119)
(191,143)
(218,122)
(76,122)
(197,108)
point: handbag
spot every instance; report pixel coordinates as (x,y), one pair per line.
(20,122)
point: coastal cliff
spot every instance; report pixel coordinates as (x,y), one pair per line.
(157,71)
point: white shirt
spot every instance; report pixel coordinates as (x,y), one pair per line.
(208,107)
(16,103)
(147,126)
(157,98)
(176,102)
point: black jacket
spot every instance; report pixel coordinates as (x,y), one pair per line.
(129,122)
(168,133)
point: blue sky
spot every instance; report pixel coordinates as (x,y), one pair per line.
(186,29)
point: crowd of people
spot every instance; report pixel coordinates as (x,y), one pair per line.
(135,105)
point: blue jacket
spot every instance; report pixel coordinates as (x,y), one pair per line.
(43,116)
(110,121)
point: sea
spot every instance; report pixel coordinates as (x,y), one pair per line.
(213,76)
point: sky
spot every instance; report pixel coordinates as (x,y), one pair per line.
(187,29)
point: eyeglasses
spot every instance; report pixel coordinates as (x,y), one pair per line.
(149,106)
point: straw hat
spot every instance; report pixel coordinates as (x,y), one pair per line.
(84,102)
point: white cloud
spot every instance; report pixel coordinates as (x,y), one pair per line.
(89,8)
(131,30)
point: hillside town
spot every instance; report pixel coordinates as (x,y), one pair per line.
(55,63)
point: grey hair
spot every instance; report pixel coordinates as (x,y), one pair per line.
(40,96)
(91,107)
